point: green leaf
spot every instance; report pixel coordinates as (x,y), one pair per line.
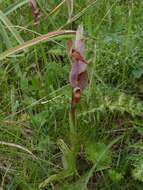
(39,119)
(69,166)
(28,100)
(78,185)
(114,175)
(137,73)
(36,83)
(100,158)
(68,157)
(138,172)
(93,152)
(56,177)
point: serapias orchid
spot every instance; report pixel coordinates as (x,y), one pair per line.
(78,74)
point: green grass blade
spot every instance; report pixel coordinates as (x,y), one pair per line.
(9,25)
(81,13)
(5,36)
(15,6)
(70,8)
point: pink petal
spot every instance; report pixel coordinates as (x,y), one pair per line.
(74,75)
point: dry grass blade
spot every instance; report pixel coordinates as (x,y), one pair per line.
(3,143)
(4,176)
(34,41)
(56,8)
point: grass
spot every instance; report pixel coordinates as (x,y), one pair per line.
(39,147)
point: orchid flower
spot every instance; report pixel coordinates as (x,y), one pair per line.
(78,74)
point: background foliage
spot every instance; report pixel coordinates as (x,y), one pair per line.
(105,151)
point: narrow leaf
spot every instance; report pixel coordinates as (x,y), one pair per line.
(70,8)
(5,36)
(15,6)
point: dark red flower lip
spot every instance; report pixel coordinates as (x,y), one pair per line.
(77,92)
